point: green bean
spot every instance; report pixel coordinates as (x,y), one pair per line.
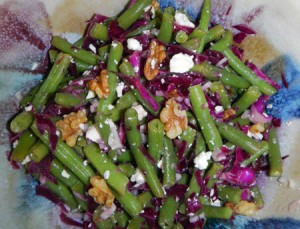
(258,199)
(22,149)
(214,74)
(145,104)
(169,163)
(264,148)
(136,222)
(126,68)
(223,43)
(135,142)
(181,37)
(204,200)
(122,104)
(69,179)
(103,52)
(79,42)
(214,33)
(241,121)
(200,144)
(155,138)
(99,32)
(67,99)
(104,129)
(209,130)
(39,151)
(51,83)
(21,122)
(192,44)
(82,66)
(145,199)
(127,168)
(193,186)
(52,55)
(274,154)
(127,18)
(67,157)
(125,156)
(166,27)
(229,194)
(78,53)
(27,99)
(191,118)
(129,202)
(213,173)
(217,212)
(151,25)
(178,226)
(219,88)
(188,136)
(184,179)
(167,212)
(116,179)
(63,193)
(244,71)
(122,218)
(247,99)
(240,139)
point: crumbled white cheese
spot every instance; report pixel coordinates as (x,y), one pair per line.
(106,174)
(181,63)
(83,127)
(178,176)
(269,106)
(113,139)
(162,81)
(114,44)
(159,164)
(258,136)
(93,134)
(201,161)
(138,177)
(34,66)
(216,203)
(57,133)
(28,108)
(65,174)
(183,20)
(92,48)
(90,95)
(134,44)
(26,160)
(153,63)
(119,89)
(110,107)
(219,109)
(246,114)
(142,113)
(15,143)
(85,162)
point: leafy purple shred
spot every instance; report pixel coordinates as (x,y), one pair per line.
(192,203)
(262,75)
(43,169)
(13,163)
(147,155)
(177,190)
(238,52)
(43,123)
(181,147)
(42,190)
(202,182)
(55,110)
(132,81)
(178,28)
(214,57)
(151,216)
(239,37)
(135,61)
(115,32)
(69,221)
(244,28)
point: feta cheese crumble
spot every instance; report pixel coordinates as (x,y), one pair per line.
(201,161)
(138,177)
(119,89)
(106,174)
(134,44)
(219,109)
(90,95)
(183,20)
(142,113)
(113,139)
(65,174)
(93,134)
(181,63)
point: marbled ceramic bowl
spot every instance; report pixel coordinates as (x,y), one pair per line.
(26,28)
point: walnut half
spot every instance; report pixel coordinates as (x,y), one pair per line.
(100,191)
(156,57)
(69,126)
(174,119)
(100,85)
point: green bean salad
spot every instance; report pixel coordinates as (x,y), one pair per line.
(149,120)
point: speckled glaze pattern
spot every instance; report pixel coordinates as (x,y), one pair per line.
(25,31)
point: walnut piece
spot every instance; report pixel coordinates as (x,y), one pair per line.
(100,191)
(229,113)
(100,85)
(175,120)
(246,208)
(257,128)
(69,126)
(156,57)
